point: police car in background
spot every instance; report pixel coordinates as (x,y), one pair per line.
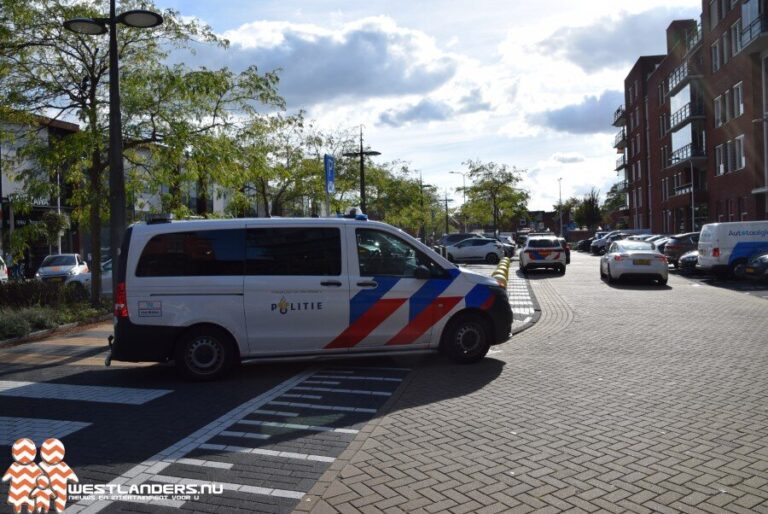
(211,293)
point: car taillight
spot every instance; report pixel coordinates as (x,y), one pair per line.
(121,302)
(663,258)
(619,256)
(715,252)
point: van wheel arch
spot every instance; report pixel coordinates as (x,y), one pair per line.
(471,312)
(736,269)
(217,332)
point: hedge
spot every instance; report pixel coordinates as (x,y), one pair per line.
(36,293)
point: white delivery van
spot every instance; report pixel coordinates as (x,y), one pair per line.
(726,247)
(210,293)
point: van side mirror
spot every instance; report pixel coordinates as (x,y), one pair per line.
(422,273)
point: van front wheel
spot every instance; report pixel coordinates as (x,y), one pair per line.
(204,354)
(466,339)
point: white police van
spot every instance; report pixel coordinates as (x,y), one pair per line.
(211,293)
(725,248)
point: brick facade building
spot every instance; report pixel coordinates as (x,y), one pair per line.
(692,135)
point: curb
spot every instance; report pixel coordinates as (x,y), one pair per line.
(536,311)
(61,329)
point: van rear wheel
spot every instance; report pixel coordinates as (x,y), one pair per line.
(205,353)
(466,339)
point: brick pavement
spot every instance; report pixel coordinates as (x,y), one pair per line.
(621,398)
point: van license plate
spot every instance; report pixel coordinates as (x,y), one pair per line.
(641,262)
(750,269)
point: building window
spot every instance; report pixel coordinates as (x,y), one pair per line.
(726,46)
(719,168)
(738,100)
(713,14)
(728,114)
(738,150)
(718,112)
(640,196)
(715,56)
(736,37)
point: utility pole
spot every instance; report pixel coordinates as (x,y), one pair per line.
(422,185)
(446,199)
(463,195)
(361,153)
(560,202)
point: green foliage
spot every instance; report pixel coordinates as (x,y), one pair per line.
(40,318)
(615,199)
(588,213)
(13,324)
(492,199)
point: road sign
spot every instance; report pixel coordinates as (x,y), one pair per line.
(330,170)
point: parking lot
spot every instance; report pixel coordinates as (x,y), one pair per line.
(628,396)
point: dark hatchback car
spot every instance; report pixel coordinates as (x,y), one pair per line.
(687,262)
(584,244)
(680,244)
(757,267)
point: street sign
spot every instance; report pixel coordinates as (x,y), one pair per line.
(330,169)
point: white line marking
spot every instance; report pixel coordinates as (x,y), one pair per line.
(347,391)
(36,429)
(324,407)
(82,393)
(205,463)
(197,439)
(384,379)
(368,367)
(247,435)
(261,451)
(266,491)
(296,426)
(306,396)
(323,382)
(276,413)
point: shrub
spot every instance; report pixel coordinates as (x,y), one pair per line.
(40,318)
(75,293)
(13,324)
(30,293)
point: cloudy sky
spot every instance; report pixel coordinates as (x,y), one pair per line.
(531,84)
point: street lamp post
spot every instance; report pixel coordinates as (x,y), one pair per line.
(560,202)
(422,185)
(463,193)
(362,155)
(94,27)
(446,200)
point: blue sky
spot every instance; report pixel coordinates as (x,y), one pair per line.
(438,82)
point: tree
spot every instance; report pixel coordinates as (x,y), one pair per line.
(568,207)
(492,197)
(588,212)
(167,110)
(615,200)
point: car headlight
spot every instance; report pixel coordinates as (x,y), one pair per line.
(72,272)
(37,275)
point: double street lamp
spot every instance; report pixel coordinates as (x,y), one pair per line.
(362,155)
(95,27)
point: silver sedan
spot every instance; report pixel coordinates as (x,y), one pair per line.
(625,259)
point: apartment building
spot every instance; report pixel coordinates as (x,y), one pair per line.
(696,153)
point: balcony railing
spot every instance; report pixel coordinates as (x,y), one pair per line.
(622,186)
(684,114)
(750,35)
(621,162)
(620,117)
(620,141)
(680,77)
(686,153)
(693,38)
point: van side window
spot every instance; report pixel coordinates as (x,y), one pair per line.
(293,251)
(198,253)
(382,254)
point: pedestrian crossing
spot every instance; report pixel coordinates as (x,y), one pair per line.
(271,447)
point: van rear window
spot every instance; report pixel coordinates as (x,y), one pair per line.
(198,253)
(293,251)
(543,243)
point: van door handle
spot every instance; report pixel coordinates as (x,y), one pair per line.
(368,283)
(331,283)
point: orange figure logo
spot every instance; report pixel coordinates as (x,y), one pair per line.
(32,486)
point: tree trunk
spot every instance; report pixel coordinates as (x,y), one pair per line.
(94,183)
(201,205)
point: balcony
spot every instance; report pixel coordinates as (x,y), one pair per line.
(622,186)
(693,39)
(620,142)
(688,153)
(620,117)
(681,196)
(621,163)
(686,113)
(680,76)
(754,36)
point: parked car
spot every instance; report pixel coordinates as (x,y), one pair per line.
(687,262)
(450,239)
(475,249)
(57,268)
(654,237)
(506,242)
(599,246)
(757,266)
(543,252)
(724,248)
(567,248)
(659,244)
(625,259)
(84,279)
(680,244)
(3,271)
(583,245)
